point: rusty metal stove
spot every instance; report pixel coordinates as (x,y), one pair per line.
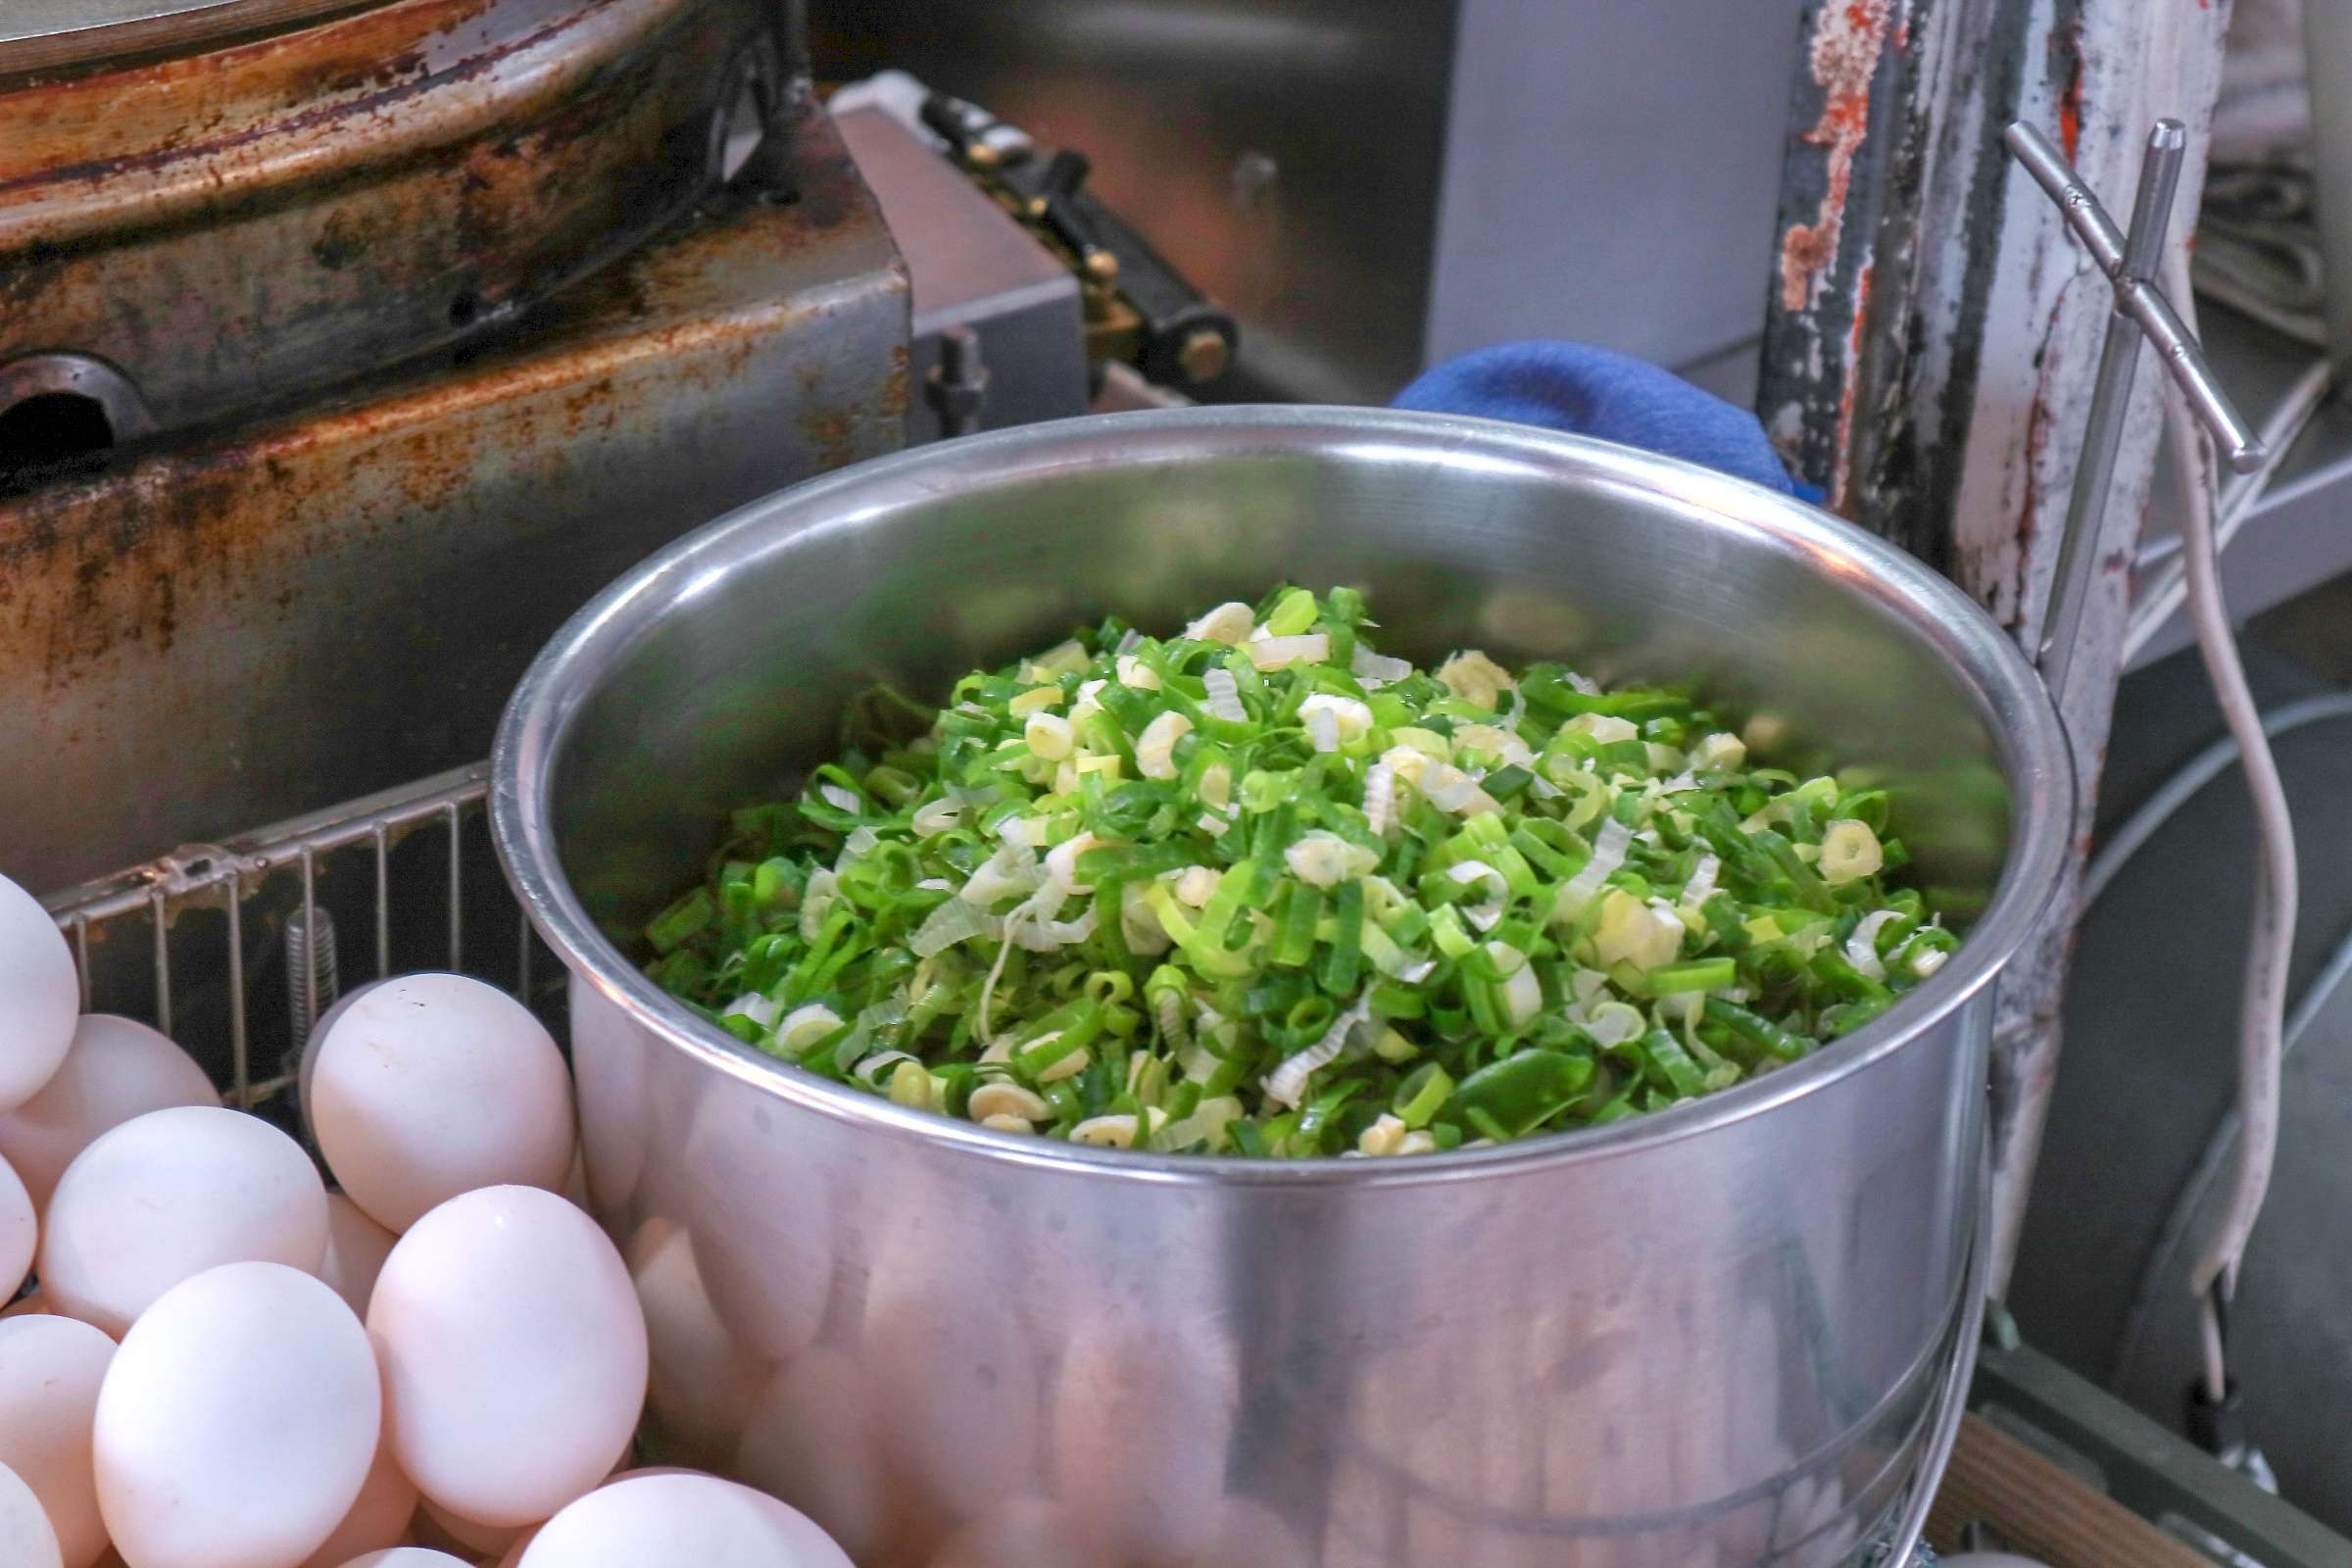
(342,357)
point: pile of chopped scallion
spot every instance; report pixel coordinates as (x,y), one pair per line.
(1255,888)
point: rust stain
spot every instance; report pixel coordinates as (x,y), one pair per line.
(124,559)
(1841,481)
(1848,38)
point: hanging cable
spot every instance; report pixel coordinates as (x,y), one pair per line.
(2261,1019)
(2159,1274)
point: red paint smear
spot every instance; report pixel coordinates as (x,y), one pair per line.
(2070,114)
(1844,59)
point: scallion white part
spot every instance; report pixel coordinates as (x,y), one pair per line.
(1287,1084)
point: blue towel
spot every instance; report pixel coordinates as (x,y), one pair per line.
(1589,391)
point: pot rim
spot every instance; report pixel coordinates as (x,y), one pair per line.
(2035,760)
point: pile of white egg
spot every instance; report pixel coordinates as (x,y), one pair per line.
(227,1365)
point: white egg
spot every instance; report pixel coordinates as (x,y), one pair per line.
(19,1232)
(306,1070)
(439,1527)
(39,996)
(529,1532)
(25,1538)
(168,1194)
(356,1250)
(50,1370)
(238,1423)
(378,1517)
(117,1068)
(694,1519)
(408,1557)
(514,1353)
(433,1085)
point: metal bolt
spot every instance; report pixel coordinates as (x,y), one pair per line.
(1202,355)
(1253,175)
(959,381)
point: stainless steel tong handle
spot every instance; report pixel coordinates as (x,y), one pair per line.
(2130,262)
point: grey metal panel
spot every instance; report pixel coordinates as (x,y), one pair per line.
(2298,536)
(1611,172)
(968,264)
(1283,154)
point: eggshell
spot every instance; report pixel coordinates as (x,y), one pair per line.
(438,1527)
(19,1232)
(39,996)
(238,1423)
(433,1085)
(306,1070)
(168,1194)
(408,1557)
(50,1371)
(356,1250)
(25,1538)
(529,1532)
(378,1517)
(117,1068)
(694,1519)
(514,1353)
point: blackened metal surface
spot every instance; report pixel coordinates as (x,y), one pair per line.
(239,630)
(236,230)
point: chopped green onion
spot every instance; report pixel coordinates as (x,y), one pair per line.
(1258,888)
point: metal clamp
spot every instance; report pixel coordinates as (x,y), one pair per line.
(2140,308)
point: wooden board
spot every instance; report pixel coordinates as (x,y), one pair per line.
(2042,1509)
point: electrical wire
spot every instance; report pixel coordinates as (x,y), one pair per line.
(2263,1004)
(2162,1262)
(2209,1339)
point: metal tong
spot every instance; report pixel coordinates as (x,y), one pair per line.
(2130,262)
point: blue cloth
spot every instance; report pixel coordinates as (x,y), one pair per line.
(1589,391)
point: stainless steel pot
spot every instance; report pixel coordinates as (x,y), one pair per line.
(1711,1336)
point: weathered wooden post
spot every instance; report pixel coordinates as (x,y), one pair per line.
(1933,338)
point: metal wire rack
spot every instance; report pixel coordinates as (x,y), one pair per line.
(194,940)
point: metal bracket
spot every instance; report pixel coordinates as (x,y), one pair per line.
(2140,308)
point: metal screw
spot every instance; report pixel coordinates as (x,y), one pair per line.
(310,957)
